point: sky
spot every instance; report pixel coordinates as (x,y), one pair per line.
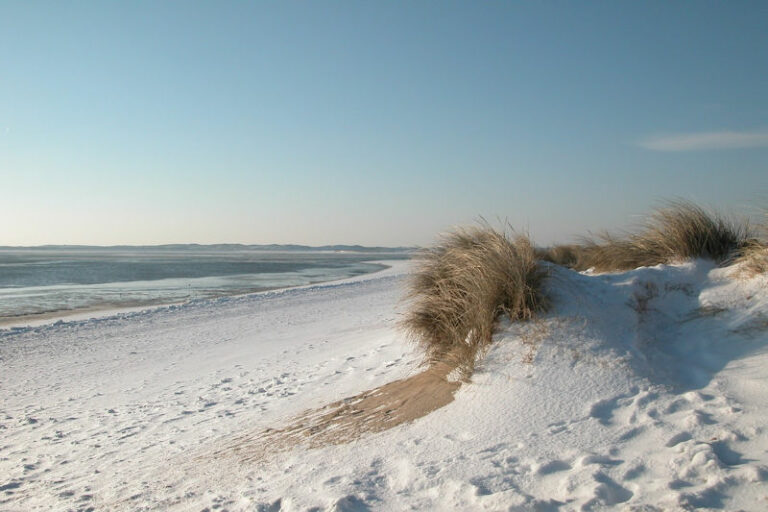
(378,123)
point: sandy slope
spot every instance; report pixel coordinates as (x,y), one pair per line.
(643,391)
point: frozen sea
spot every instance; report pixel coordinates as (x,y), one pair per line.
(57,281)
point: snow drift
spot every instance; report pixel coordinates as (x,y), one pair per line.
(641,390)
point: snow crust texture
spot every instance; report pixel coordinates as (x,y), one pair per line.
(644,390)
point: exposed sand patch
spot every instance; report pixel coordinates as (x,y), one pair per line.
(340,422)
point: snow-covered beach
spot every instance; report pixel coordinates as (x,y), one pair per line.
(382,256)
(644,390)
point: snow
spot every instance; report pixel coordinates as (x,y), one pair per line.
(644,390)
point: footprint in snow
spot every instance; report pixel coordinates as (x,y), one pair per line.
(608,492)
(553,466)
(678,438)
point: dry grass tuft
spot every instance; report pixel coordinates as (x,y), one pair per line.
(753,257)
(462,285)
(679,231)
(564,255)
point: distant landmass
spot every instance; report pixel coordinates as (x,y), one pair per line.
(239,247)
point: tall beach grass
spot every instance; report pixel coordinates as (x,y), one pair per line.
(753,258)
(678,231)
(471,276)
(462,285)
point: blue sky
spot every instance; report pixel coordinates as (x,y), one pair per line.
(372,122)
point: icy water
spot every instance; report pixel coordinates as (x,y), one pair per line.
(47,281)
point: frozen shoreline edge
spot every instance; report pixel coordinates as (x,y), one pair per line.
(25,322)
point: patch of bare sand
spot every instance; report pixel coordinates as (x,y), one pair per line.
(371,411)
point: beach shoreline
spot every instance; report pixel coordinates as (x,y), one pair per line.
(108,310)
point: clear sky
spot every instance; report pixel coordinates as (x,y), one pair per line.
(372,122)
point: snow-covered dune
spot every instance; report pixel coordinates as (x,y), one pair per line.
(645,390)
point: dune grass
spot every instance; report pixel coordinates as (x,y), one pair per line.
(678,231)
(753,257)
(462,285)
(567,255)
(467,280)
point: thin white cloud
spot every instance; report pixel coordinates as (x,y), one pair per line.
(705,141)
